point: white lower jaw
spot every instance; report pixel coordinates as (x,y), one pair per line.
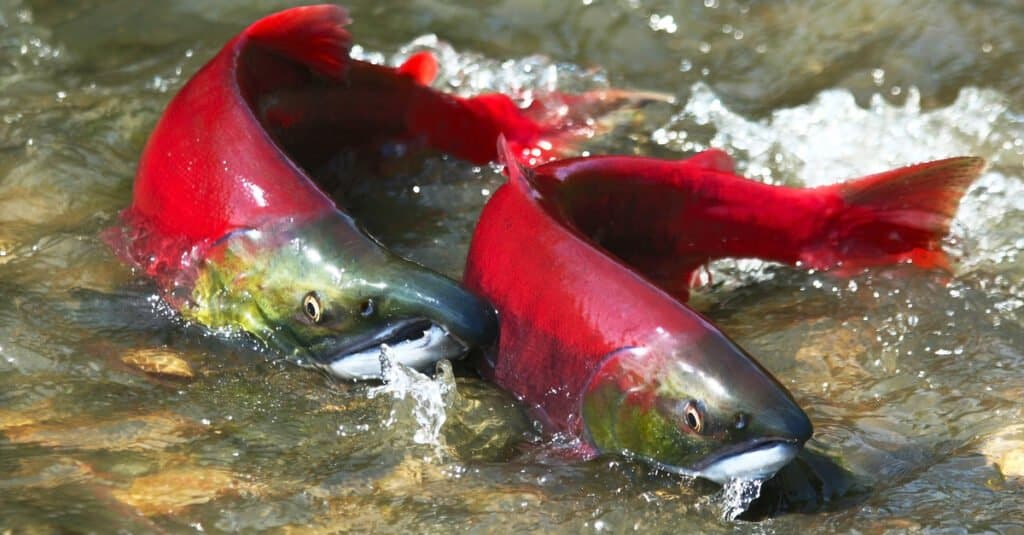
(420,354)
(758,463)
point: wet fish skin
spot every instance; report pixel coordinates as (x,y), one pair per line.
(668,218)
(226,162)
(602,353)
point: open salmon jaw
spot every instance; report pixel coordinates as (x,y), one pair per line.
(417,344)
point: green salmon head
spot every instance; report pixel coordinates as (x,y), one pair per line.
(327,294)
(695,405)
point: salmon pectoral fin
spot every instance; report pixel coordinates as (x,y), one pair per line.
(896,216)
(312,35)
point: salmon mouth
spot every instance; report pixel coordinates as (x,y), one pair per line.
(418,343)
(753,460)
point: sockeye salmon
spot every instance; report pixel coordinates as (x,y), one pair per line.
(226,220)
(571,254)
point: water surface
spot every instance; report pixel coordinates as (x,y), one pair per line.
(912,378)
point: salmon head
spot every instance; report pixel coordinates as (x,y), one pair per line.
(604,355)
(700,408)
(326,294)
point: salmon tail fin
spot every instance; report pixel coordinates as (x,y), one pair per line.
(421,67)
(312,35)
(563,120)
(550,128)
(897,216)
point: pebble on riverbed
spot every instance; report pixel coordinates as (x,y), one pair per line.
(7,247)
(171,491)
(47,473)
(33,414)
(160,362)
(833,351)
(1005,449)
(151,432)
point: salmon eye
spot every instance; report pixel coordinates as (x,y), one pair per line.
(312,308)
(693,417)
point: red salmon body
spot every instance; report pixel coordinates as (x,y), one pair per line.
(572,252)
(233,148)
(668,218)
(603,355)
(236,234)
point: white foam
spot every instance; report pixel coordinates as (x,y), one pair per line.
(832,138)
(430,398)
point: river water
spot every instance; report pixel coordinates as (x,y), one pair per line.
(913,379)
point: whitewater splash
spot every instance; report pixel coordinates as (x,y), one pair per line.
(832,138)
(737,495)
(426,400)
(828,139)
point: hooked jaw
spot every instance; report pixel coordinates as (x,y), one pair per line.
(752,460)
(715,414)
(434,319)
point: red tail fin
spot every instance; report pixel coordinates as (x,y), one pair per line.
(896,216)
(312,35)
(467,128)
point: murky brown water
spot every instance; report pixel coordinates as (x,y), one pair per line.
(914,380)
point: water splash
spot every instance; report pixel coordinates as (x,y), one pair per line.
(737,495)
(468,73)
(426,400)
(833,138)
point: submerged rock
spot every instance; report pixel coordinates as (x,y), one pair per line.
(1005,449)
(160,362)
(33,414)
(169,492)
(155,431)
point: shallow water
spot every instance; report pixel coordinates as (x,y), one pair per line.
(913,379)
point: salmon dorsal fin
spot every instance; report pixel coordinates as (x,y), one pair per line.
(713,159)
(519,175)
(312,35)
(421,66)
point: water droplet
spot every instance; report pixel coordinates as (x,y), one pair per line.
(878,76)
(662,23)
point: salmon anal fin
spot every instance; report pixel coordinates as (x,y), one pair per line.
(713,159)
(421,66)
(312,35)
